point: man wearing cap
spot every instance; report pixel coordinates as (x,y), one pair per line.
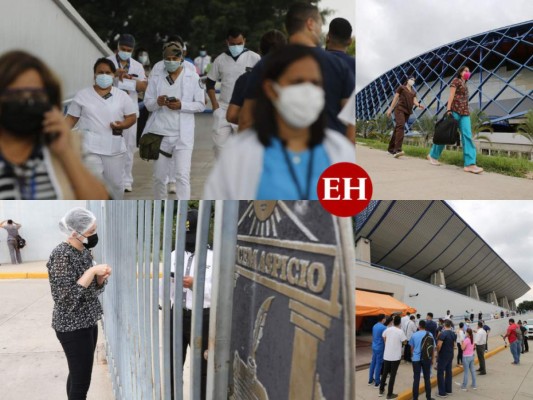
(202,61)
(173,99)
(130,77)
(187,295)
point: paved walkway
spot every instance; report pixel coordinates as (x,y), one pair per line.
(410,178)
(502,382)
(32,362)
(203,159)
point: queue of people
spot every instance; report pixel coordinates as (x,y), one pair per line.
(429,345)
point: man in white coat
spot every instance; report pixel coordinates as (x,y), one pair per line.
(227,68)
(131,78)
(173,99)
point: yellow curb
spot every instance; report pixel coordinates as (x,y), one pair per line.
(23,275)
(408,394)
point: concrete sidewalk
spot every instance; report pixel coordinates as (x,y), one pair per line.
(32,363)
(203,159)
(409,178)
(502,382)
(26,270)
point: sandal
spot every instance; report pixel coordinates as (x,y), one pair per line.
(473,169)
(432,160)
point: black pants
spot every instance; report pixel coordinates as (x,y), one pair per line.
(407,353)
(480,351)
(79,347)
(459,354)
(425,367)
(525,344)
(187,319)
(392,368)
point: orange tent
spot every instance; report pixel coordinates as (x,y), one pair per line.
(371,304)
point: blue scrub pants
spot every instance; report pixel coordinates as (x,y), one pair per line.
(469,149)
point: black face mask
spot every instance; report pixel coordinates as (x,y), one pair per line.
(92,241)
(23,118)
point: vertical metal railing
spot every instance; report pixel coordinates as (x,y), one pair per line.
(136,240)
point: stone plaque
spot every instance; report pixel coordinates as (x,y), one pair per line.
(293,333)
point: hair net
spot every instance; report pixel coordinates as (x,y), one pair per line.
(77,220)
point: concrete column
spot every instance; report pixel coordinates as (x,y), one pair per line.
(492,298)
(437,278)
(471,291)
(512,305)
(362,251)
(504,302)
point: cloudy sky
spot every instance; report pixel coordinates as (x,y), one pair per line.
(390,32)
(507,226)
(341,8)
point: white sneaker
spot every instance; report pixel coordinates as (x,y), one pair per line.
(172,188)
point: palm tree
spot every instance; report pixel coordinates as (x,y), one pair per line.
(480,123)
(426,125)
(381,128)
(525,129)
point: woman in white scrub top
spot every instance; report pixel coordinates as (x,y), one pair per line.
(102,112)
(173,99)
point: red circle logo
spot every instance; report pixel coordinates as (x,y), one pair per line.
(344,189)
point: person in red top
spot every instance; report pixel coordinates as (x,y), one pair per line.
(458,108)
(513,341)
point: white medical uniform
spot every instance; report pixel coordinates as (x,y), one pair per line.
(104,153)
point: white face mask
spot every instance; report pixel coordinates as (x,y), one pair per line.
(411,82)
(299,105)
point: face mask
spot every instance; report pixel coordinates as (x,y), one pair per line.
(124,55)
(299,105)
(236,49)
(24,119)
(172,66)
(203,53)
(143,59)
(411,82)
(466,75)
(104,81)
(92,241)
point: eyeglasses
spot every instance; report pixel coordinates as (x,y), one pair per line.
(26,96)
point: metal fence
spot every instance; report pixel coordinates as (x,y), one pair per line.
(295,264)
(136,240)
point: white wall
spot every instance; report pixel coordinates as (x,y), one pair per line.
(430,298)
(55,32)
(39,221)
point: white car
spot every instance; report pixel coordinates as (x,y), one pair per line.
(529,327)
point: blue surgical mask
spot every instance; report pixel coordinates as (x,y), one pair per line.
(124,55)
(236,50)
(203,53)
(172,66)
(104,81)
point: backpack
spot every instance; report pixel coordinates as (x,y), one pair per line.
(21,243)
(427,347)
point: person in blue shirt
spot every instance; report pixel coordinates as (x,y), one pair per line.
(445,346)
(487,329)
(378,347)
(419,364)
(338,39)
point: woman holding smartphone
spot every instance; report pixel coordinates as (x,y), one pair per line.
(76,282)
(39,159)
(173,99)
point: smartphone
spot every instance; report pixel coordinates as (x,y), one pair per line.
(171,99)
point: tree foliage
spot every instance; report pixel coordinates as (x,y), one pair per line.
(525,306)
(196,21)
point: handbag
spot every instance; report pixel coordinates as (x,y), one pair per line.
(20,242)
(447,131)
(150,147)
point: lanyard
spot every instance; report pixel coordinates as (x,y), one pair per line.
(303,195)
(127,67)
(27,190)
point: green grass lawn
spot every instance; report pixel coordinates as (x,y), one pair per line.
(518,167)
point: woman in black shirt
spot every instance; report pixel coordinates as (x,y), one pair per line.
(76,282)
